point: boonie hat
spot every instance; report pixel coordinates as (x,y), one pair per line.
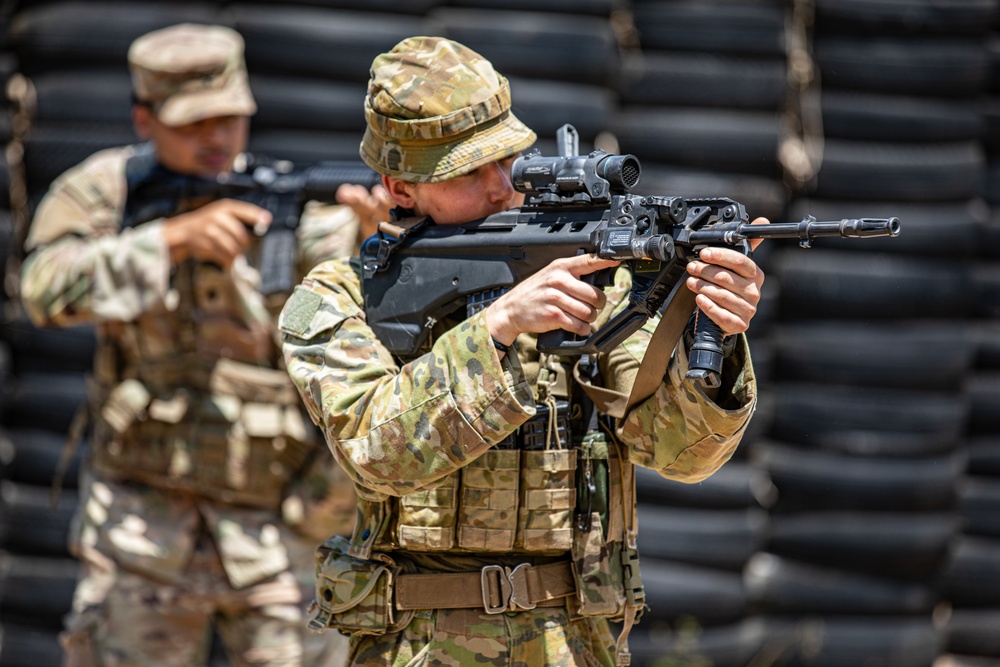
(188,72)
(436,109)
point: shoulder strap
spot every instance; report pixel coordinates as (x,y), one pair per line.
(616,403)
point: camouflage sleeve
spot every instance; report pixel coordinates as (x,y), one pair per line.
(679,431)
(396,428)
(80,268)
(326,231)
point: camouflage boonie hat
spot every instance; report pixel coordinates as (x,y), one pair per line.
(187,73)
(435,110)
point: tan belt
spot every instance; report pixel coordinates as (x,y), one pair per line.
(495,588)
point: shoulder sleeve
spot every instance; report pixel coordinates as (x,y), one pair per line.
(80,265)
(396,428)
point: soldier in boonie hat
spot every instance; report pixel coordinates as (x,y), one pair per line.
(188,72)
(435,110)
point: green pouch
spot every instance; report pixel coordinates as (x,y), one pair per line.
(353,595)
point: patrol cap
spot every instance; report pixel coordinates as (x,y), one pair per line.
(190,72)
(436,109)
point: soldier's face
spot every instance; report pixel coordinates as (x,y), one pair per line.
(468,197)
(206,148)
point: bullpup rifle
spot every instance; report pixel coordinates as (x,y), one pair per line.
(575,204)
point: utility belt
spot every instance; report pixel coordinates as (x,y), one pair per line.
(379,595)
(240,437)
(566,502)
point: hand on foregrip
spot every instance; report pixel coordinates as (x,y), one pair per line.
(727,285)
(218,232)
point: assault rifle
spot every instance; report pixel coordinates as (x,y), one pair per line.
(575,204)
(156,192)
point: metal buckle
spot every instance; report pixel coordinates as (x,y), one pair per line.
(504,587)
(512,586)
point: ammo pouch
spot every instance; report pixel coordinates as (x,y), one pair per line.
(235,433)
(519,495)
(354,595)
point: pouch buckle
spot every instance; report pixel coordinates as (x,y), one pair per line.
(512,585)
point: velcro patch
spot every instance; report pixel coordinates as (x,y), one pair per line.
(300,310)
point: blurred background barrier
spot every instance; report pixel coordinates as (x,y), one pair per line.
(859,521)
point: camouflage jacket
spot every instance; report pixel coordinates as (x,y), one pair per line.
(400,428)
(83,268)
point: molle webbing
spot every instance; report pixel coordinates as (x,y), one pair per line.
(228,431)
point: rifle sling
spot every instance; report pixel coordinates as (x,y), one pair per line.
(654,363)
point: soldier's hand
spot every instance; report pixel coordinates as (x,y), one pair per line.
(727,286)
(218,232)
(371,206)
(553,298)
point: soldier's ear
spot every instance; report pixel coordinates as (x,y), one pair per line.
(400,191)
(142,120)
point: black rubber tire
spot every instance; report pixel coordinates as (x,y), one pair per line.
(851,641)
(69,350)
(27,646)
(704,79)
(979,504)
(830,284)
(537,45)
(865,421)
(974,632)
(49,150)
(725,140)
(908,17)
(779,585)
(93,33)
(814,480)
(306,148)
(971,578)
(594,7)
(939,67)
(33,457)
(36,590)
(680,591)
(545,106)
(711,538)
(46,400)
(984,455)
(924,172)
(891,544)
(88,96)
(880,354)
(415,7)
(716,26)
(983,389)
(30,524)
(877,117)
(308,104)
(732,645)
(954,229)
(736,485)
(318,42)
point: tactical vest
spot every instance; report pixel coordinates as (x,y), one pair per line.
(192,396)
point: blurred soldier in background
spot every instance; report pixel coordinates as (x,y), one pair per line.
(207,489)
(496,504)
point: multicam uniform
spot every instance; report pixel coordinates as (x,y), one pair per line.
(207,489)
(457,491)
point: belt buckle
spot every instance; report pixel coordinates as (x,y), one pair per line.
(513,588)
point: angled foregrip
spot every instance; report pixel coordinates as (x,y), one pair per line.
(706,355)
